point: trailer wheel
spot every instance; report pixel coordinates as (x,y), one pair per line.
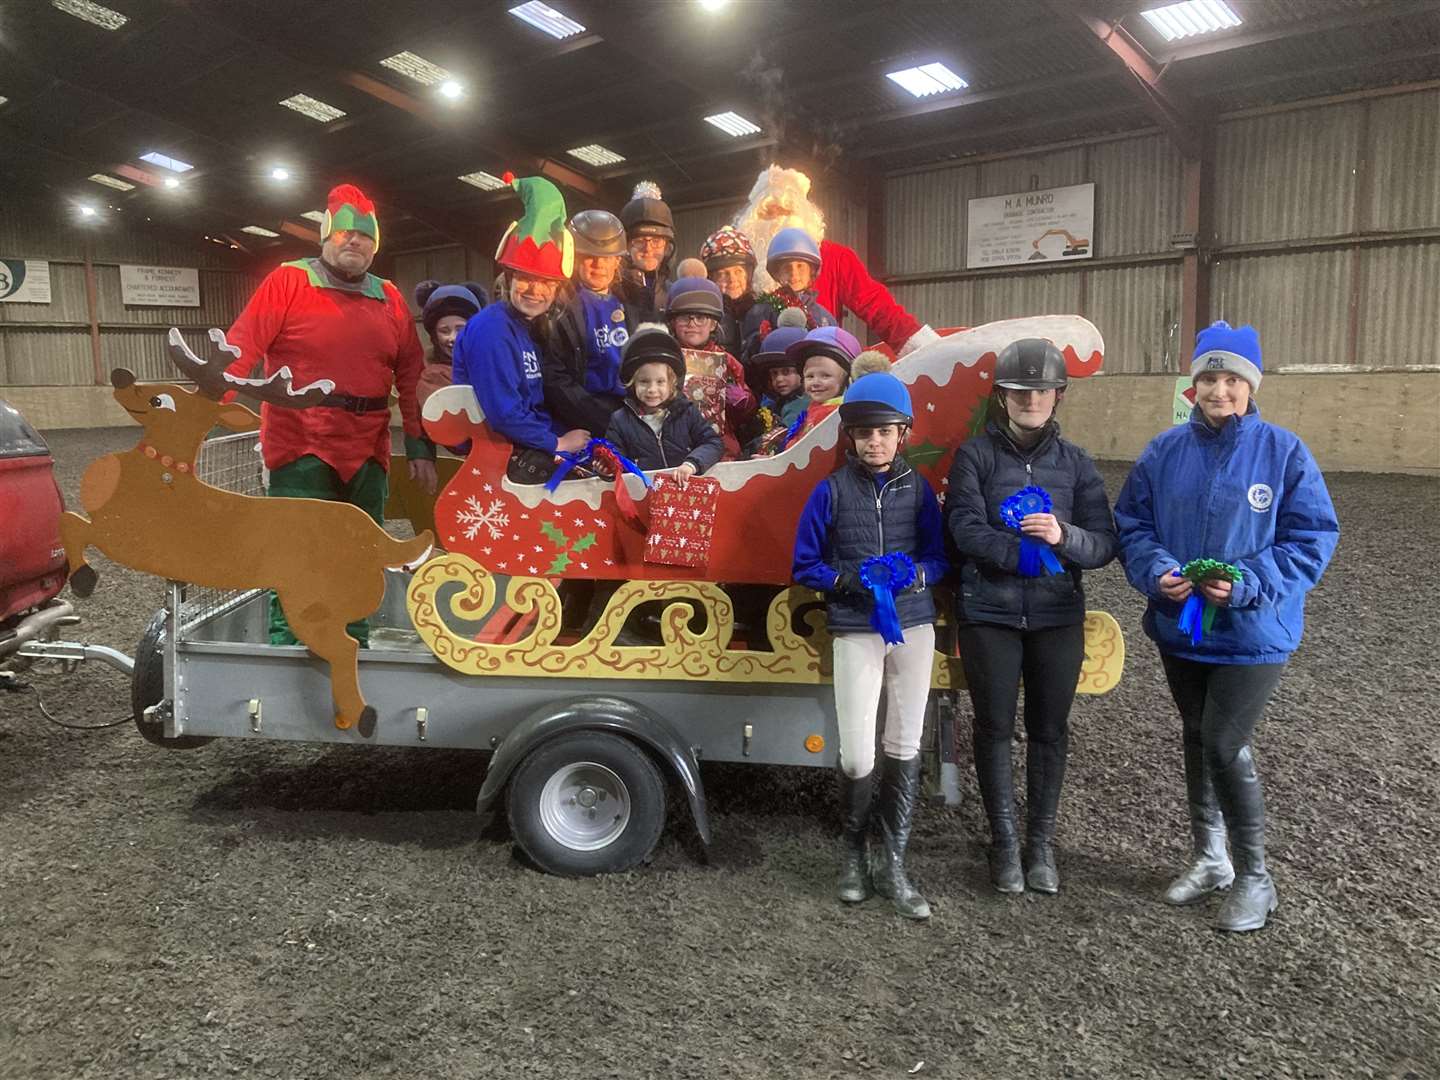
(587,803)
(147,687)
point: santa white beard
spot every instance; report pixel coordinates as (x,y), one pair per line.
(779,200)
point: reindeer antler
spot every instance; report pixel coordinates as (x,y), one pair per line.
(214,381)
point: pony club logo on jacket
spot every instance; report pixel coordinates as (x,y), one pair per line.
(1260,497)
(606,336)
(532,364)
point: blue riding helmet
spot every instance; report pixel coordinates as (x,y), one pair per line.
(876,399)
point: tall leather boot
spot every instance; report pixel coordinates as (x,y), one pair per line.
(1044,776)
(1252,898)
(856,797)
(997,792)
(899,790)
(1211,869)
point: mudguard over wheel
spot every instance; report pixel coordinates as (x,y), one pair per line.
(587,803)
(147,688)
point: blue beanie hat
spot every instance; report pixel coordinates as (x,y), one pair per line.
(1221,347)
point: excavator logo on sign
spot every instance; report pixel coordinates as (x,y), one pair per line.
(1075,246)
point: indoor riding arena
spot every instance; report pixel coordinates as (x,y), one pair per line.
(719,538)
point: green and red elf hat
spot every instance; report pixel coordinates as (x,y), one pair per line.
(348,210)
(538,244)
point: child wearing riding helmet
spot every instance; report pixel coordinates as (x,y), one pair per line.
(582,360)
(782,392)
(444,310)
(793,260)
(657,427)
(715,381)
(1026,511)
(871,539)
(1225,519)
(729,262)
(824,357)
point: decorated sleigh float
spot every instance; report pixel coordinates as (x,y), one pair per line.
(508,544)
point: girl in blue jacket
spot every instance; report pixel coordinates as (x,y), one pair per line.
(1248,498)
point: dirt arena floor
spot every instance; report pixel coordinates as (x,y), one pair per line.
(288,911)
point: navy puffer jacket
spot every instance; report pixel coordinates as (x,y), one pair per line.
(684,436)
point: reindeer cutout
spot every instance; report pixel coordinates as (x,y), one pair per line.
(149,511)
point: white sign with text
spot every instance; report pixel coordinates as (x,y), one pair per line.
(160,286)
(1031,227)
(24,281)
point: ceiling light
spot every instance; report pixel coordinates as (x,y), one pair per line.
(111,182)
(416,67)
(256,230)
(173,164)
(1191,17)
(317,216)
(313,108)
(452,90)
(3,99)
(928,79)
(483,180)
(714,5)
(279,172)
(544,17)
(87,211)
(97,14)
(172,182)
(733,124)
(594,154)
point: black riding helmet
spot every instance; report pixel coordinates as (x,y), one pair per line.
(1031,364)
(651,344)
(597,233)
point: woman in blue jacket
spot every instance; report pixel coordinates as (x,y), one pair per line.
(1229,488)
(1030,626)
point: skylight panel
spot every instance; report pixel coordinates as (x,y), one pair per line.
(417,67)
(544,17)
(95,14)
(314,108)
(483,180)
(927,79)
(595,154)
(109,181)
(317,216)
(256,230)
(167,162)
(1191,17)
(733,124)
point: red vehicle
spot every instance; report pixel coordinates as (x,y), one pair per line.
(32,560)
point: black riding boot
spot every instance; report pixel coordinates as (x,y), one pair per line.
(856,797)
(997,792)
(1252,898)
(1211,869)
(899,789)
(1044,776)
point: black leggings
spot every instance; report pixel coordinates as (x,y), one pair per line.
(996,658)
(1220,704)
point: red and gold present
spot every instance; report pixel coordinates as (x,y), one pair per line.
(682,521)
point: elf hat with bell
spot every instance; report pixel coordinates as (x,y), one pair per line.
(538,244)
(347,209)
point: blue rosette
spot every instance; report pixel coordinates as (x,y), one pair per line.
(570,460)
(884,576)
(1035,557)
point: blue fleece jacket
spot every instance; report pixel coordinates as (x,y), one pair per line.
(498,358)
(1249,494)
(810,567)
(605,336)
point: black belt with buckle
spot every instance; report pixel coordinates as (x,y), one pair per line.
(351,403)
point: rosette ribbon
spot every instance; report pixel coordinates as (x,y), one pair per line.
(609,455)
(1197,617)
(1034,555)
(884,576)
(793,430)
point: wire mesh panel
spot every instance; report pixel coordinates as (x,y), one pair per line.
(231,463)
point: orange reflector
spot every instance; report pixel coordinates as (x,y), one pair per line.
(814,743)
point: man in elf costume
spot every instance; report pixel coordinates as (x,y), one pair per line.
(780,200)
(328,317)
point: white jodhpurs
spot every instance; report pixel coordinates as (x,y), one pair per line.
(862,663)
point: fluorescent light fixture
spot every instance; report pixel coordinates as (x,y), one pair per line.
(97,14)
(733,124)
(416,67)
(713,6)
(87,211)
(111,182)
(928,79)
(452,90)
(483,180)
(1191,17)
(256,230)
(173,164)
(595,154)
(3,99)
(317,216)
(279,172)
(544,17)
(314,108)
(172,182)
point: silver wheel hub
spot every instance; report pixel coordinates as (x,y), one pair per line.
(585,806)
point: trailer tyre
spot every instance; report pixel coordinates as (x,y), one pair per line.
(587,803)
(147,687)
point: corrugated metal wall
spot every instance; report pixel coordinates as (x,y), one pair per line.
(49,344)
(1307,203)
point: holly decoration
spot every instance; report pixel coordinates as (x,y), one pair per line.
(1200,570)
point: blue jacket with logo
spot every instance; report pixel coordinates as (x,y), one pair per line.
(1249,494)
(497,356)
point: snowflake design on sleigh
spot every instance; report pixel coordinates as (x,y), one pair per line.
(472,517)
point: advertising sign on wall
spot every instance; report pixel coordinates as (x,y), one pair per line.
(24,281)
(160,286)
(1032,227)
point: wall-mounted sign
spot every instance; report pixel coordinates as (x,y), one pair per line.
(160,286)
(24,281)
(1183,401)
(1032,227)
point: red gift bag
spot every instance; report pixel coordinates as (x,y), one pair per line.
(682,521)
